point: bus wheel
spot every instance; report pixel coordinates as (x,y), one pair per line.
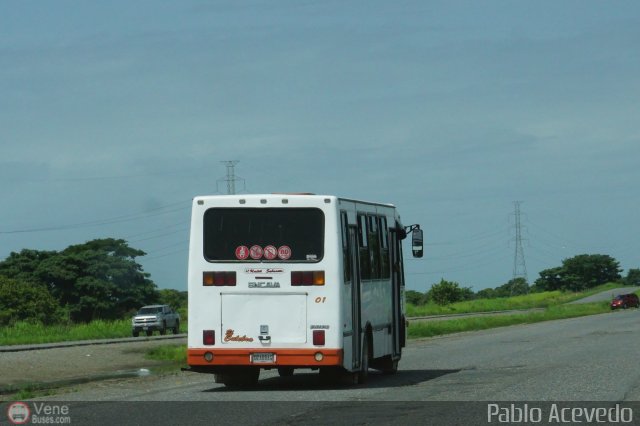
(285,371)
(363,374)
(387,365)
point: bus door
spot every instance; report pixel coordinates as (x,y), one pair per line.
(356,308)
(395,254)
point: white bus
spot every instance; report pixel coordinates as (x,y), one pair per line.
(292,281)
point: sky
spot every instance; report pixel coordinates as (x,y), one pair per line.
(114,115)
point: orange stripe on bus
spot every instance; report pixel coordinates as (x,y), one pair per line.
(291,357)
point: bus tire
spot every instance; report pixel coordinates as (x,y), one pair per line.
(387,364)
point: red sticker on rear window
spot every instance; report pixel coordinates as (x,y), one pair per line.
(242,252)
(284,252)
(255,252)
(270,252)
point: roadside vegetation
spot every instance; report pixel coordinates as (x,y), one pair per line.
(23,333)
(28,333)
(577,277)
(173,353)
(543,299)
(420,329)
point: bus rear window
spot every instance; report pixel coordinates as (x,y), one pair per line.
(264,234)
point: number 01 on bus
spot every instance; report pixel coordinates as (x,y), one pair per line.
(295,281)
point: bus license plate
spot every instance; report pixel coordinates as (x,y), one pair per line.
(263,357)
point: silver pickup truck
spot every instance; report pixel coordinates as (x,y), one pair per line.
(155,317)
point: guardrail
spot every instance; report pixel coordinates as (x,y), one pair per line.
(40,346)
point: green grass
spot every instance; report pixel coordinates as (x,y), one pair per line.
(437,328)
(25,393)
(528,301)
(23,333)
(173,353)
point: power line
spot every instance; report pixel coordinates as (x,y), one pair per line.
(160,235)
(188,171)
(108,221)
(470,239)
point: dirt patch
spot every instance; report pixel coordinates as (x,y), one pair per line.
(48,367)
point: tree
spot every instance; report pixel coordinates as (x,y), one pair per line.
(589,270)
(174,298)
(515,287)
(486,293)
(579,272)
(633,277)
(97,279)
(22,266)
(550,279)
(415,297)
(21,301)
(466,294)
(446,292)
(109,283)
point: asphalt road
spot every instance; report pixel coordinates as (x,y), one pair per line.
(583,359)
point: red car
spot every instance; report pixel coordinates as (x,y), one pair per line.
(624,301)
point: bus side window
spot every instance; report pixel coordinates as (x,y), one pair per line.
(384,247)
(346,258)
(365,262)
(374,246)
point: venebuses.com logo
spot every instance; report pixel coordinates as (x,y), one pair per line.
(20,413)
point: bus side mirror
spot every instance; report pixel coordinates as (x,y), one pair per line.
(416,242)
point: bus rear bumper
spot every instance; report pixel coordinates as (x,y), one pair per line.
(300,358)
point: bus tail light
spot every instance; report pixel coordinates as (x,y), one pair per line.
(208,337)
(307,277)
(219,278)
(318,337)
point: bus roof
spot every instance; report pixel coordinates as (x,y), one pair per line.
(286,196)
